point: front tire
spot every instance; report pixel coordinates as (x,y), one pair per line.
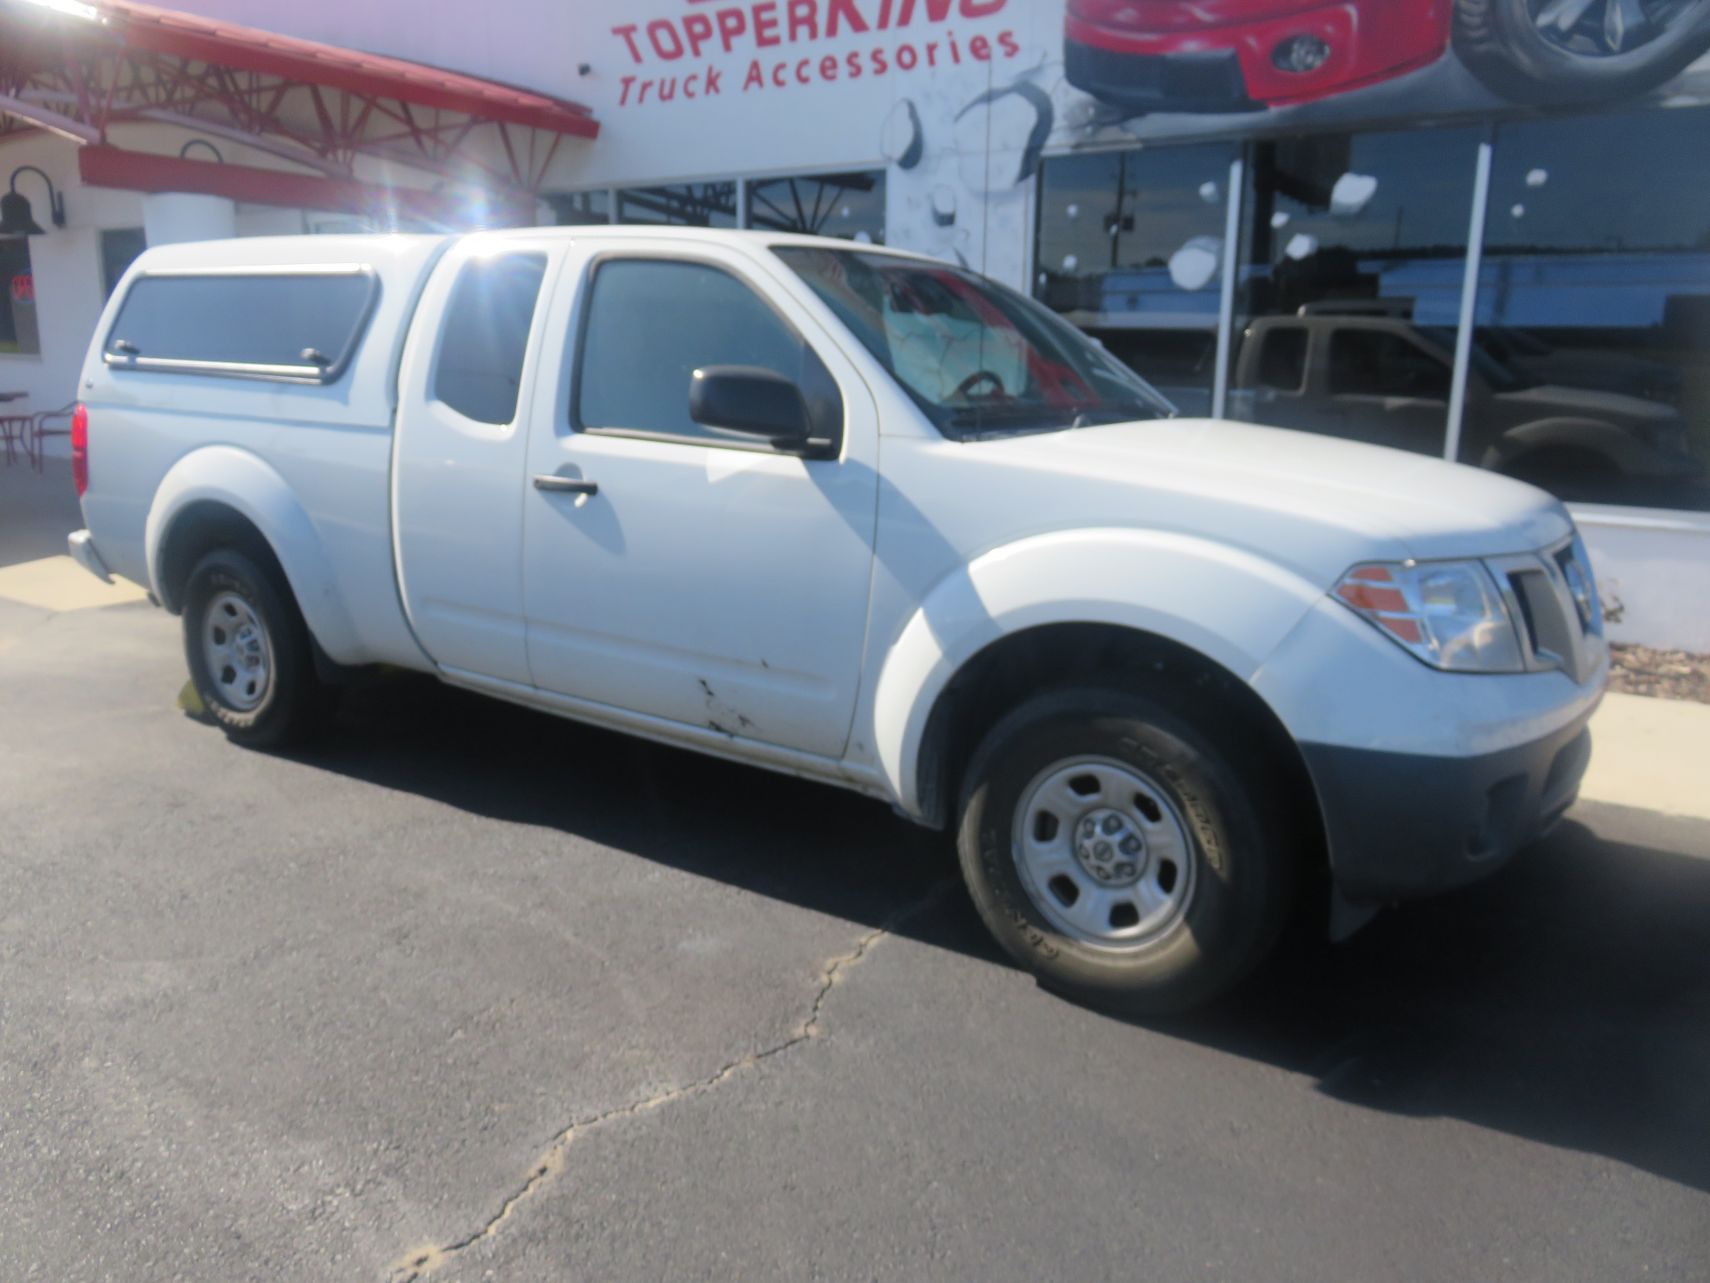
(249,653)
(1128,860)
(1519,53)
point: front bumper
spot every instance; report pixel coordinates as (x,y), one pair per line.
(1227,62)
(1426,780)
(81,545)
(1404,825)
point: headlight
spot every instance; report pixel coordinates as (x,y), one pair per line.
(1448,613)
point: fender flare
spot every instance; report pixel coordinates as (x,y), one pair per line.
(1232,607)
(243,482)
(1593,436)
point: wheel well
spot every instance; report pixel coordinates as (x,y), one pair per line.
(197,531)
(1024,664)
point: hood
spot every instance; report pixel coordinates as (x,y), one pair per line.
(1590,403)
(1313,502)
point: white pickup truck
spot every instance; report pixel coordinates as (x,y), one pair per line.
(863,517)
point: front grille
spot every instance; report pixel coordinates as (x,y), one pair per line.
(1555,603)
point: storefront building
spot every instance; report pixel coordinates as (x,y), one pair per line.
(1469,230)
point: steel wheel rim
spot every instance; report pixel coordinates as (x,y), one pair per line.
(238,652)
(1596,29)
(1103,853)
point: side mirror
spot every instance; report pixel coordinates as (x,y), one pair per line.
(752,402)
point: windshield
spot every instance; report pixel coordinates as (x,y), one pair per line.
(979,359)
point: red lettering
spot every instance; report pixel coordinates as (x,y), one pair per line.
(1007,40)
(838,12)
(981,48)
(628,34)
(668,89)
(623,98)
(713,73)
(778,75)
(642,96)
(804,16)
(884,14)
(854,61)
(731,24)
(668,51)
(880,66)
(689,84)
(936,11)
(697,27)
(755,79)
(828,67)
(766,25)
(931,53)
(906,57)
(980,8)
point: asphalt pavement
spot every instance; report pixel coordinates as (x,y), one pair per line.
(469,993)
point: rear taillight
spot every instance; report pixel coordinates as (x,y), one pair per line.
(80,448)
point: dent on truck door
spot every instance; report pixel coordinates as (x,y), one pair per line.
(460,454)
(673,573)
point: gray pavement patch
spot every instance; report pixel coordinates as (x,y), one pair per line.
(424,1261)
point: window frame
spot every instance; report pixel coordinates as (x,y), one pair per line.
(579,350)
(312,375)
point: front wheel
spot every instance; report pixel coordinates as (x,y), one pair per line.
(1552,52)
(1124,857)
(249,653)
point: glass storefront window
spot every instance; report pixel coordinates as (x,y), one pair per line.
(1130,248)
(683,204)
(851,206)
(579,209)
(18,332)
(1354,259)
(120,247)
(1590,373)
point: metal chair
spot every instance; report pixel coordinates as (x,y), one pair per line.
(39,432)
(17,430)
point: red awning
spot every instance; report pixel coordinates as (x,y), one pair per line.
(226,44)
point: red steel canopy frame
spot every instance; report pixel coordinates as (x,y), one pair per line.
(75,69)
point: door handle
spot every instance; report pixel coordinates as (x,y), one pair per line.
(565,485)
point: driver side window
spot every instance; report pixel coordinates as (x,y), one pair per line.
(651,323)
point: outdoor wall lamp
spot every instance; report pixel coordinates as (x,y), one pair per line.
(16,217)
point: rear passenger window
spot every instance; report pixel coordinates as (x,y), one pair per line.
(299,325)
(1282,364)
(651,323)
(481,347)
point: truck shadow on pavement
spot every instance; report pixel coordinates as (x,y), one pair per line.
(1566,1001)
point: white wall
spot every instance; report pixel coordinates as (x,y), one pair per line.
(1653,571)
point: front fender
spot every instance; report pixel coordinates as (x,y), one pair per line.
(1230,606)
(239,480)
(1621,448)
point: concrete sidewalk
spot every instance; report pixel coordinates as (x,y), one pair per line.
(1653,754)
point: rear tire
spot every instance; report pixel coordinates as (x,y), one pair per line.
(249,653)
(1127,859)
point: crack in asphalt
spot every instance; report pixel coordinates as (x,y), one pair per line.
(423,1261)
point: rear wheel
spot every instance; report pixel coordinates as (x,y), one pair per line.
(1125,857)
(1567,51)
(249,653)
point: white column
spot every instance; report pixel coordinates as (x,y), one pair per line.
(1226,297)
(1469,302)
(172,217)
